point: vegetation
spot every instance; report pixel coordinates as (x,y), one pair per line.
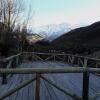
(13,28)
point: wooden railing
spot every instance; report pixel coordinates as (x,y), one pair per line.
(68,58)
(10,62)
(36,56)
(80,64)
(39,75)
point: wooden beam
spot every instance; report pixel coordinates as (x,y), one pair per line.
(37,88)
(37,56)
(48,58)
(74,96)
(11,57)
(48,70)
(10,92)
(85,94)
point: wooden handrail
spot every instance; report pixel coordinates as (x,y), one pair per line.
(11,57)
(61,54)
(48,70)
(44,53)
(9,62)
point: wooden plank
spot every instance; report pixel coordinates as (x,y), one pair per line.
(31,90)
(10,86)
(71,82)
(82,62)
(48,58)
(37,87)
(26,91)
(17,95)
(36,56)
(11,57)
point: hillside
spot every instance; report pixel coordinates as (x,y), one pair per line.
(80,39)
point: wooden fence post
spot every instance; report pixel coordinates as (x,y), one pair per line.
(64,57)
(37,88)
(54,57)
(13,63)
(4,76)
(17,60)
(68,59)
(85,83)
(96,65)
(20,58)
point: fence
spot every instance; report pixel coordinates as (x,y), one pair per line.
(68,58)
(10,62)
(87,66)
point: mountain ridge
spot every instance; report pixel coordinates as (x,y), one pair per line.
(84,37)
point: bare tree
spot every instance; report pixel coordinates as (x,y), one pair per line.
(10,11)
(12,14)
(25,25)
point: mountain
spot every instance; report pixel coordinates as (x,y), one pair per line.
(79,39)
(51,32)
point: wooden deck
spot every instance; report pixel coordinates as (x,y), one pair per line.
(71,82)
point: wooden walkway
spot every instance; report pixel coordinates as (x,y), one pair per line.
(71,82)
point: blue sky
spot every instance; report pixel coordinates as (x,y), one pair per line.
(64,11)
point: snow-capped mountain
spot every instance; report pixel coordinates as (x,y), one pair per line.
(51,32)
